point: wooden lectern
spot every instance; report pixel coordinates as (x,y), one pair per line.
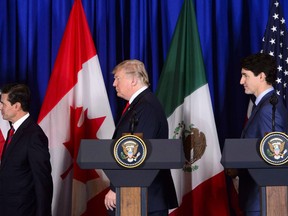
(244,153)
(131,183)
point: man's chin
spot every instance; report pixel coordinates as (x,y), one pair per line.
(248,92)
(120,95)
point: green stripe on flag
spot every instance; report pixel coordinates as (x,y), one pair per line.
(183,71)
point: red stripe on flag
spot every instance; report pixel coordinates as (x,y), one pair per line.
(208,199)
(66,67)
(82,111)
(234,200)
(98,209)
(2,141)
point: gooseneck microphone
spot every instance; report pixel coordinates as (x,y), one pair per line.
(133,123)
(273,101)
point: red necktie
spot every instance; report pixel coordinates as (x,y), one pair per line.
(8,140)
(126,107)
(10,135)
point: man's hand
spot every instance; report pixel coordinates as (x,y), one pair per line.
(110,200)
(233,173)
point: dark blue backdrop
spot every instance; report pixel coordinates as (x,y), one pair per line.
(31,32)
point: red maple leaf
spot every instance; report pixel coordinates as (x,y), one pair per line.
(87,130)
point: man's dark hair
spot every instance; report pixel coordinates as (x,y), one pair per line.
(261,62)
(17,93)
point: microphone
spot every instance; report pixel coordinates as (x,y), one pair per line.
(273,101)
(133,122)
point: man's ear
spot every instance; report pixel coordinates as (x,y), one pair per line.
(134,81)
(262,76)
(18,106)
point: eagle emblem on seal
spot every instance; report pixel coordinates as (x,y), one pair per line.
(277,149)
(130,151)
(273,148)
(194,144)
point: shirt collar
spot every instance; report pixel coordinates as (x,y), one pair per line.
(258,99)
(17,124)
(137,93)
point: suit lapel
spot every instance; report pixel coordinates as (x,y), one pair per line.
(131,107)
(254,113)
(17,135)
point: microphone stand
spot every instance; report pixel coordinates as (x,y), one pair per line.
(133,123)
(273,101)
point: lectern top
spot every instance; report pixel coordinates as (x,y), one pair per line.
(161,154)
(243,153)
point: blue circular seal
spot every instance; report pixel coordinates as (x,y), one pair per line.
(130,151)
(273,148)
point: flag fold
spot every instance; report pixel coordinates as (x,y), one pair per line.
(184,93)
(76,107)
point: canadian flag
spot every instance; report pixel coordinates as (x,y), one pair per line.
(4,127)
(75,107)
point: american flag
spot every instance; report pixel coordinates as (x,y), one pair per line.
(275,43)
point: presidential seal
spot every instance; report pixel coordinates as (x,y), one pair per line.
(273,148)
(130,151)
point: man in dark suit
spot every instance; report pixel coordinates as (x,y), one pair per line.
(131,83)
(25,172)
(258,76)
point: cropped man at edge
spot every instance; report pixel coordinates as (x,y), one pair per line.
(258,75)
(131,83)
(25,172)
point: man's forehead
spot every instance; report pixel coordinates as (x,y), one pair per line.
(120,71)
(246,71)
(3,96)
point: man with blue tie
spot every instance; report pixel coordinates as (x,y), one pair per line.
(258,75)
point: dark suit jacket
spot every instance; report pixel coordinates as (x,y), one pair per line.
(25,173)
(152,122)
(258,125)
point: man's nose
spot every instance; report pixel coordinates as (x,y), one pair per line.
(115,82)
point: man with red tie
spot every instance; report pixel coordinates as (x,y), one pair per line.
(132,84)
(25,172)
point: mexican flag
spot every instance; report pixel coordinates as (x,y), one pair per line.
(76,107)
(184,93)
